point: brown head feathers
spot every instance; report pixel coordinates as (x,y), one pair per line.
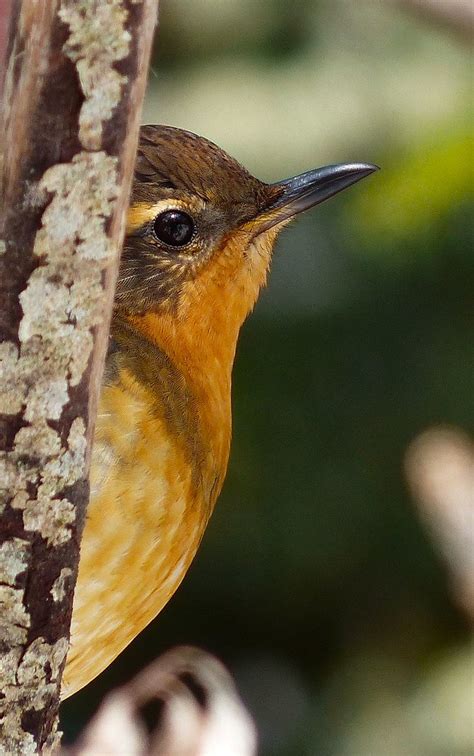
(188,196)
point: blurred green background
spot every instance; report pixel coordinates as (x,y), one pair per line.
(316,582)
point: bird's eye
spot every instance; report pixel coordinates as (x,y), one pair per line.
(174,228)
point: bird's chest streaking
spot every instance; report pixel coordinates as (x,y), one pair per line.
(154,481)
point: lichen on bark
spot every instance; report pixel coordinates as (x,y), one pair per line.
(98,38)
(70,126)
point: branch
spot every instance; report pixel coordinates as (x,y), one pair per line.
(439,465)
(185,702)
(73,90)
(456,16)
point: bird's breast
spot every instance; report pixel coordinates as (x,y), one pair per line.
(154,480)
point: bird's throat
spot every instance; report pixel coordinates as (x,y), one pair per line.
(187,375)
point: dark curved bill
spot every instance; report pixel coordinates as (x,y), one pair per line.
(311,188)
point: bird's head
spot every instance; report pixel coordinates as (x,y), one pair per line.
(201,229)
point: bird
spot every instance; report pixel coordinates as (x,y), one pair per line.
(199,238)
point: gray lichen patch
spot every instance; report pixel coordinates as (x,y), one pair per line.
(8,663)
(84,192)
(68,467)
(58,590)
(64,296)
(13,560)
(40,657)
(40,439)
(49,513)
(12,394)
(49,516)
(37,378)
(98,39)
(37,672)
(61,303)
(14,619)
(13,480)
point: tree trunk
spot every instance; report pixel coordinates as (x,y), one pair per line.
(73,90)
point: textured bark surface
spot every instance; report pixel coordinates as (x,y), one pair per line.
(73,89)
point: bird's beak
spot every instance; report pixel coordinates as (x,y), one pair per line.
(308,189)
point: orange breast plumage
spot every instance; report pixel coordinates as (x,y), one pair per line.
(153,487)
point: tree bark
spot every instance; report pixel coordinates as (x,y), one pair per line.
(73,90)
